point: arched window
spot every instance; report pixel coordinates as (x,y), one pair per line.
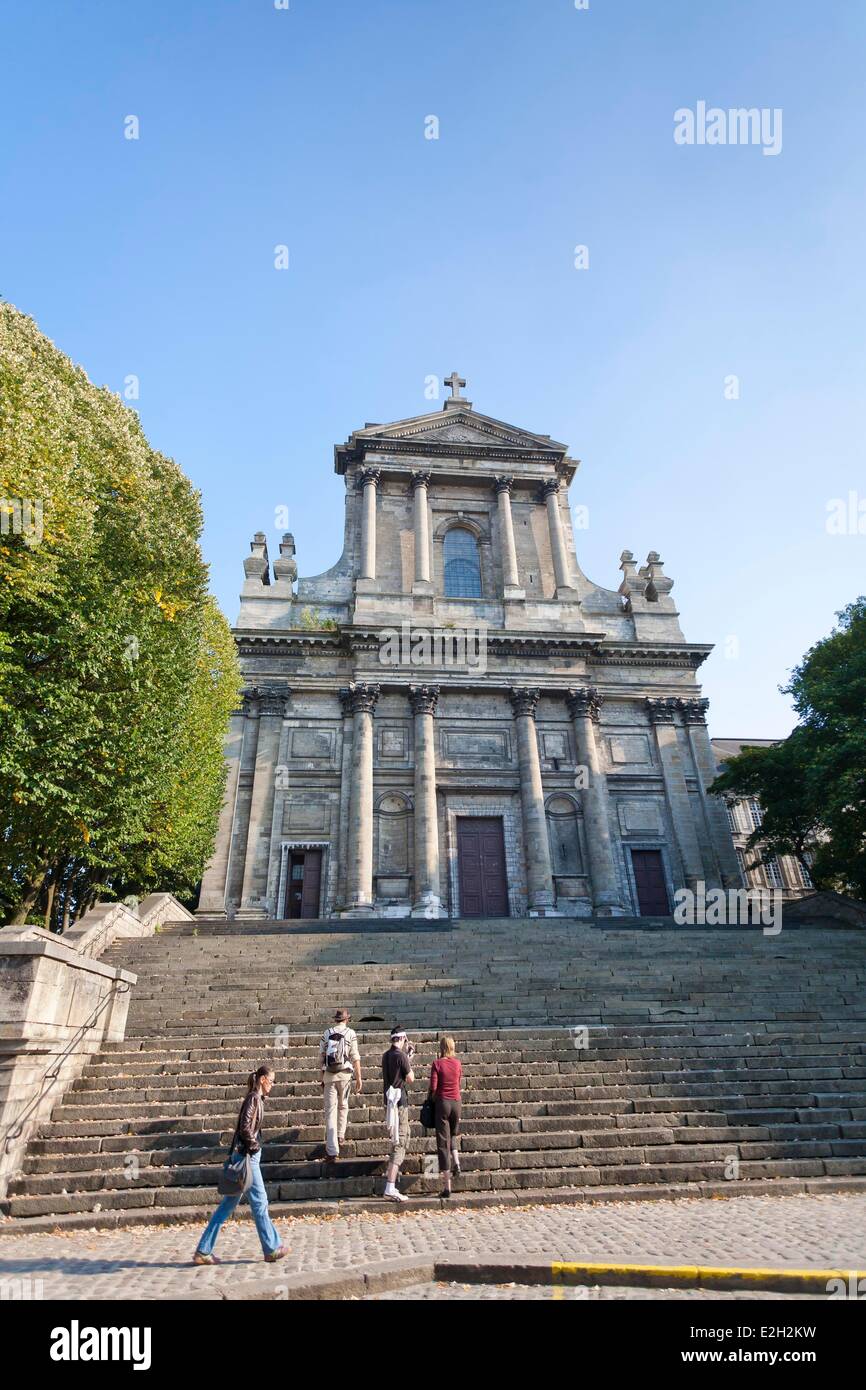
(462,566)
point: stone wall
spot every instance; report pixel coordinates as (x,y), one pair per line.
(58,1005)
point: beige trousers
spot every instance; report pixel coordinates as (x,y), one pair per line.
(336,1096)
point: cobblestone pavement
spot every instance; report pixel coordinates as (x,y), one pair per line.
(153,1262)
(534,1292)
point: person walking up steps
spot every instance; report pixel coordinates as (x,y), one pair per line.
(397,1074)
(339,1058)
(446,1077)
(247,1139)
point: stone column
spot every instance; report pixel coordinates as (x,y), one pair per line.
(215,882)
(510,575)
(583,706)
(368,480)
(271,710)
(694,714)
(360,700)
(662,717)
(550,492)
(427,903)
(420,482)
(535,841)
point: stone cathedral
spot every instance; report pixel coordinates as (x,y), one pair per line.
(454,721)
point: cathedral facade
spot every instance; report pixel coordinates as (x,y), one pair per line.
(454,721)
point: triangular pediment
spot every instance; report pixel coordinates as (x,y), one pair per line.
(461,427)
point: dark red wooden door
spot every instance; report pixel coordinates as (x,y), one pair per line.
(649,877)
(481,867)
(305,876)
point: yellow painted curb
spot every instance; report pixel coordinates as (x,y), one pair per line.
(708,1276)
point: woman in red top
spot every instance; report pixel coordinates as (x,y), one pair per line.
(446,1077)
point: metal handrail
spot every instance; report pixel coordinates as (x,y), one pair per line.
(15,1128)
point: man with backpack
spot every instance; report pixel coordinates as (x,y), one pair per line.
(339,1058)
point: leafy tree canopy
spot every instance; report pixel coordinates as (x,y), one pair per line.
(117,672)
(812,787)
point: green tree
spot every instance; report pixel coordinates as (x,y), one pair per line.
(110,646)
(812,787)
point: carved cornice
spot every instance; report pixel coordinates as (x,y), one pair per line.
(523,700)
(598,650)
(423,698)
(266,644)
(359,698)
(686,656)
(505,453)
(584,701)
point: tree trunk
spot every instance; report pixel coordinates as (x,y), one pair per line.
(32,889)
(49,903)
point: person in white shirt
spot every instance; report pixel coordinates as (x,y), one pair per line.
(339,1059)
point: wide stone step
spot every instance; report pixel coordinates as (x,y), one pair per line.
(545,1078)
(826,1141)
(138,1195)
(831,1091)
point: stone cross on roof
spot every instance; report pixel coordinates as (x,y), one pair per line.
(455,401)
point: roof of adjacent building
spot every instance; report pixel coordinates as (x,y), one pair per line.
(730,747)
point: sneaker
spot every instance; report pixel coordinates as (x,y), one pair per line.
(199,1258)
(445,1195)
(279,1254)
(331,1158)
(396,1196)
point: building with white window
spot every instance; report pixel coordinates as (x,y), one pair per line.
(746,816)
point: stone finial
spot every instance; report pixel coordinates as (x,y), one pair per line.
(662,711)
(657,582)
(524,700)
(694,711)
(359,698)
(584,701)
(286,567)
(423,698)
(633,585)
(256,564)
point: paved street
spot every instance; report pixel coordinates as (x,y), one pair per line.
(535,1292)
(152,1262)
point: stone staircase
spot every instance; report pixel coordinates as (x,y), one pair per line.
(600,1060)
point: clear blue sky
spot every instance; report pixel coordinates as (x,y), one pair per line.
(409,257)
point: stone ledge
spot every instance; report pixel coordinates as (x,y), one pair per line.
(106,922)
(524,1197)
(402,1273)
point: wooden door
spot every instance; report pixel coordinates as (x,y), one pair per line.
(649,877)
(481,867)
(305,877)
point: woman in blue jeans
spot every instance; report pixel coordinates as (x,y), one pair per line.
(248,1140)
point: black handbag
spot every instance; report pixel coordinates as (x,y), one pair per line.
(428,1113)
(236,1176)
